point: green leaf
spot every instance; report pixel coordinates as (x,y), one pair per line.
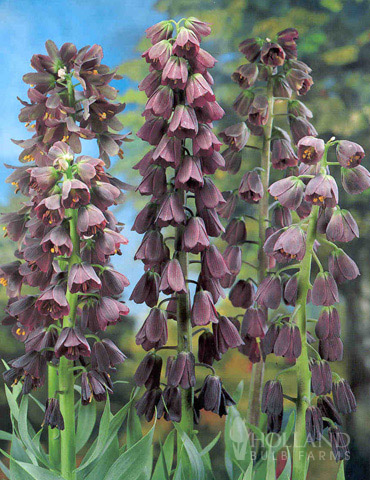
(114,426)
(247,475)
(12,402)
(271,469)
(286,473)
(6,436)
(103,435)
(238,392)
(33,451)
(288,430)
(341,475)
(34,471)
(86,418)
(38,403)
(134,432)
(238,454)
(209,447)
(164,462)
(135,463)
(99,469)
(195,460)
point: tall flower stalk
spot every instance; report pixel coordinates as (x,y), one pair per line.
(65,236)
(177,172)
(268,82)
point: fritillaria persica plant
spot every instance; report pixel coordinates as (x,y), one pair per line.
(305,219)
(268,82)
(65,236)
(177,175)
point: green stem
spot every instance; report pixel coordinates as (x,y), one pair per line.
(53,434)
(302,365)
(66,374)
(255,389)
(184,331)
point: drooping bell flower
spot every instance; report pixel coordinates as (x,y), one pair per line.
(53,302)
(213,263)
(189,175)
(75,194)
(226,335)
(72,344)
(288,191)
(203,311)
(53,417)
(172,278)
(184,123)
(343,397)
(181,371)
(153,130)
(283,155)
(288,342)
(355,180)
(145,218)
(301,127)
(349,154)
(207,351)
(154,332)
(339,444)
(272,398)
(235,232)
(148,403)
(236,136)
(254,323)
(11,278)
(272,54)
(99,384)
(327,408)
(331,349)
(171,211)
(287,39)
(242,294)
(258,111)
(324,290)
(113,282)
(243,102)
(299,80)
(195,238)
(152,250)
(105,355)
(57,241)
(286,244)
(82,278)
(251,188)
(245,75)
(322,190)
(147,289)
(206,142)
(213,397)
(169,404)
(281,216)
(109,311)
(321,377)
(42,340)
(198,91)
(342,227)
(342,267)
(175,73)
(160,31)
(269,292)
(251,49)
(310,150)
(148,372)
(328,324)
(314,424)
(50,210)
(158,54)
(186,43)
(154,182)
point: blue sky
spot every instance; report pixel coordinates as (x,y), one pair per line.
(25,25)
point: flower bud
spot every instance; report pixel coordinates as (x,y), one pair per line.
(339,444)
(269,292)
(342,227)
(342,267)
(242,294)
(314,424)
(207,352)
(272,398)
(324,290)
(343,397)
(355,180)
